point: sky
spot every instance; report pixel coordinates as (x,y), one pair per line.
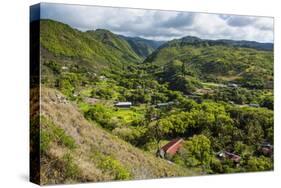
(161,25)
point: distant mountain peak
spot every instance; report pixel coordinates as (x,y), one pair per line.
(192,40)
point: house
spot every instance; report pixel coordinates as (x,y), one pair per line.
(231,156)
(231,102)
(266,149)
(170,148)
(165,104)
(102,78)
(75,94)
(123,104)
(232,85)
(64,68)
(254,105)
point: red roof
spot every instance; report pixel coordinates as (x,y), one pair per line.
(173,146)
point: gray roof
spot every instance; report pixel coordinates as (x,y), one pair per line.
(123,104)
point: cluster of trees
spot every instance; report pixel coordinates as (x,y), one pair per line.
(242,96)
(213,126)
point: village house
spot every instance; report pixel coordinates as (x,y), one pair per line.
(232,85)
(254,105)
(170,148)
(102,78)
(75,94)
(64,68)
(266,149)
(165,104)
(123,104)
(194,96)
(231,156)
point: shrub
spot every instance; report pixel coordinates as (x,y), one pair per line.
(105,93)
(51,133)
(115,168)
(71,169)
(100,114)
(110,165)
(259,164)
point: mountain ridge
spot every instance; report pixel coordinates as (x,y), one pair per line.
(192,40)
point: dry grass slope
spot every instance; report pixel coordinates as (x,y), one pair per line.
(76,150)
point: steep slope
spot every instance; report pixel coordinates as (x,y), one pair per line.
(98,49)
(115,42)
(142,47)
(218,61)
(72,55)
(75,150)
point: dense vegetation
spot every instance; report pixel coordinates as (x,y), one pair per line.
(217,96)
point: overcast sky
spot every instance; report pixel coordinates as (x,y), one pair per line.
(161,25)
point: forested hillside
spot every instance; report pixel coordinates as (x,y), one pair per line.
(216,61)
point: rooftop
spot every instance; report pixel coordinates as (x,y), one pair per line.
(172,144)
(123,103)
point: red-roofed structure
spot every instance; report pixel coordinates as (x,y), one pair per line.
(171,148)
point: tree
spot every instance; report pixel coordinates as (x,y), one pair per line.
(183,69)
(152,114)
(197,151)
(259,164)
(156,131)
(268,102)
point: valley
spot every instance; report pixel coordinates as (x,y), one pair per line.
(110,103)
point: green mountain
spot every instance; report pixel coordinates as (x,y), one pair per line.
(97,49)
(220,61)
(115,43)
(191,40)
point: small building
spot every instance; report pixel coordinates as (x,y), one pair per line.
(231,156)
(171,148)
(102,78)
(266,149)
(75,94)
(254,105)
(165,104)
(232,85)
(123,104)
(64,68)
(231,102)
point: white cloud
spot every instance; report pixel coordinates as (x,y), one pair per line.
(161,25)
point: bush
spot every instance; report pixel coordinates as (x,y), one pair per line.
(259,164)
(115,168)
(101,115)
(55,67)
(110,165)
(104,93)
(71,169)
(216,165)
(51,133)
(133,135)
